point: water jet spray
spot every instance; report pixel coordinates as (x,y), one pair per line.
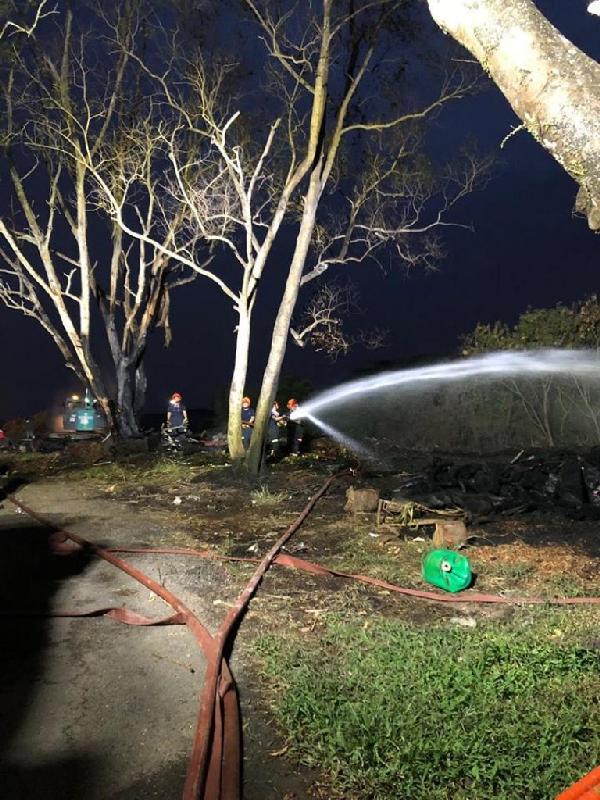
(347,441)
(538,363)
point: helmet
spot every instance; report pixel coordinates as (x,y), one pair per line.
(292,403)
(176,396)
(246,400)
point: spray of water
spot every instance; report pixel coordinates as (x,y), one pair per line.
(574,363)
(347,441)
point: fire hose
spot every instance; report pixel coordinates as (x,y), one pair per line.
(197,769)
(293,562)
(214,769)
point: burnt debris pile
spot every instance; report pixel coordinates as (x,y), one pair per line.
(554,481)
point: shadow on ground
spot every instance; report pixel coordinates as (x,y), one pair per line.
(30,573)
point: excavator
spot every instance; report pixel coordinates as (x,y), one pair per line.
(82,415)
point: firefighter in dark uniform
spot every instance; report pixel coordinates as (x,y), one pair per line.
(176,412)
(247,421)
(295,428)
(276,433)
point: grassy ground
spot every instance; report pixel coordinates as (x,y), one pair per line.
(384,696)
(389,710)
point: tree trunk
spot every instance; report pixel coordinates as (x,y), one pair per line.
(107,407)
(123,416)
(141,386)
(553,87)
(238,381)
(125,420)
(283,321)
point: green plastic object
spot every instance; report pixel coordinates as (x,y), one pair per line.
(447,569)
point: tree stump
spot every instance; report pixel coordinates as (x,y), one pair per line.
(361,500)
(450,534)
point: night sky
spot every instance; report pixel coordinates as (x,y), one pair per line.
(527,250)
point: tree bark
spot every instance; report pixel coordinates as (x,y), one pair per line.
(283,321)
(129,375)
(238,379)
(125,418)
(552,86)
(141,386)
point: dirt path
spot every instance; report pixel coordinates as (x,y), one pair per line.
(93,708)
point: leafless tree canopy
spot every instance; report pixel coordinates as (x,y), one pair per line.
(71,97)
(323,322)
(12,24)
(307,144)
(194,166)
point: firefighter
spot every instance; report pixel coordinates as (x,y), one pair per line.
(176,412)
(276,433)
(247,421)
(295,428)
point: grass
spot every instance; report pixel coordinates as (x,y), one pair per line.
(265,497)
(29,465)
(387,710)
(400,562)
(157,471)
(511,572)
(572,586)
(357,552)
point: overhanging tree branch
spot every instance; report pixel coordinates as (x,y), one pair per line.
(551,85)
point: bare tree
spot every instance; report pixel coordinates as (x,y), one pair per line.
(65,102)
(323,322)
(553,87)
(238,178)
(393,197)
(219,184)
(13,25)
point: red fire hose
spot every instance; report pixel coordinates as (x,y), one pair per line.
(212,718)
(211,650)
(588,788)
(214,770)
(293,562)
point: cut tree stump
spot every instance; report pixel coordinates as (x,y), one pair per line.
(361,500)
(450,534)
